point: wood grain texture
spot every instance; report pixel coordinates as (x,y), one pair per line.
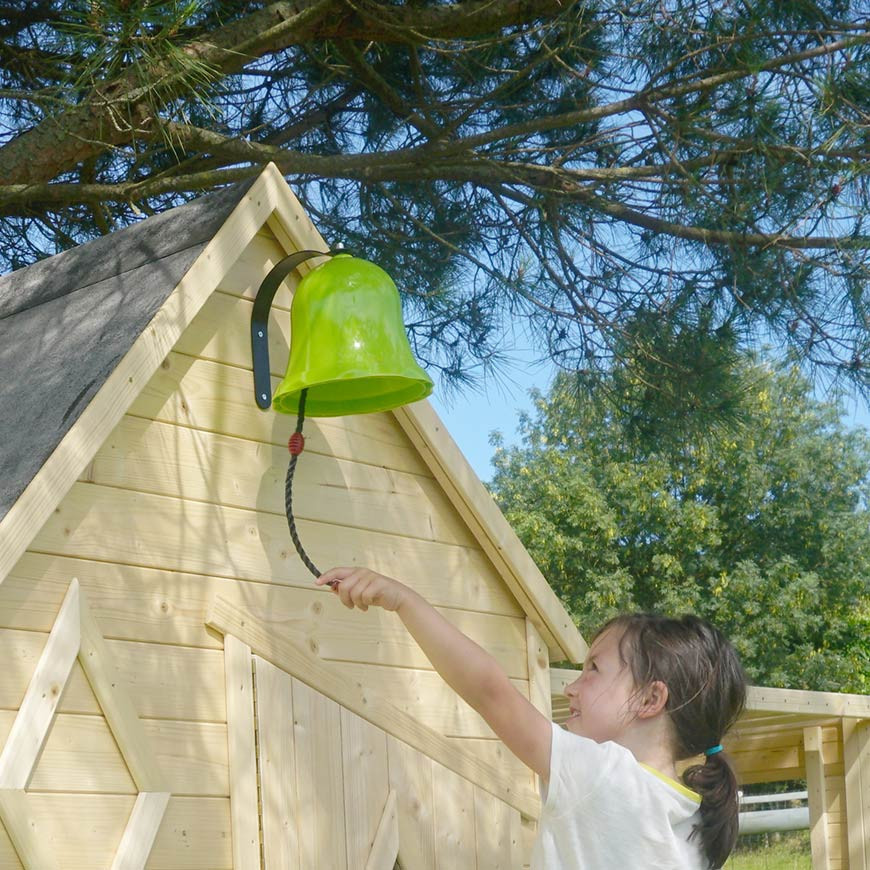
(380,712)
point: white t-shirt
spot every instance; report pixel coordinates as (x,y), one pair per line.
(605,811)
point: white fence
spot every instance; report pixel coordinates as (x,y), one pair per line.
(785,819)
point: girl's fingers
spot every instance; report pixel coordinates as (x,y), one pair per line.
(359,594)
(334,575)
(356,587)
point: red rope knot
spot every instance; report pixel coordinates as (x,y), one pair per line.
(296,444)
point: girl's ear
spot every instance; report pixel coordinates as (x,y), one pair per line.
(653,700)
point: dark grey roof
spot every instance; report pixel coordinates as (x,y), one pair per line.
(65,323)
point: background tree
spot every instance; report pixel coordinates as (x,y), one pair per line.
(645,180)
(762,526)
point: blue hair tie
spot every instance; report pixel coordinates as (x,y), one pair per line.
(713,750)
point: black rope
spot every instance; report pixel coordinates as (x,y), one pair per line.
(288,493)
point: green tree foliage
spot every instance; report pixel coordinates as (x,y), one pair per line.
(761,526)
(617,173)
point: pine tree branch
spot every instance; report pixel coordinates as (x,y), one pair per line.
(375,83)
(407,164)
(117,110)
(654,95)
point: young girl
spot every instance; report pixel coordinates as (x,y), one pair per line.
(653,691)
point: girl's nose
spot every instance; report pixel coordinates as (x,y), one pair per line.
(571,688)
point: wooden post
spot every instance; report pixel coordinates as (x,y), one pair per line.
(815,767)
(539,670)
(856,763)
(244,816)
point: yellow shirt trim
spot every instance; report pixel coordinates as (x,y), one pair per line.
(692,795)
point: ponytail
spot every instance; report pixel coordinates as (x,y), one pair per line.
(716,783)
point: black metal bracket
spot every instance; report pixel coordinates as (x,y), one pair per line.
(260,319)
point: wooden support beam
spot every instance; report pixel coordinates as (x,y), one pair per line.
(856,763)
(142,827)
(75,635)
(492,531)
(817,798)
(796,701)
(385,848)
(33,722)
(117,705)
(33,851)
(329,680)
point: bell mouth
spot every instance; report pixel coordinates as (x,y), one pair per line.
(368,395)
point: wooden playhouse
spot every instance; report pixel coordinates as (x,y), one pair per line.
(175,692)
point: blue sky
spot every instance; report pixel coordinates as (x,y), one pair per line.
(470,418)
(473,414)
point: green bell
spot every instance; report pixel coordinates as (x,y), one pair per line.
(348,346)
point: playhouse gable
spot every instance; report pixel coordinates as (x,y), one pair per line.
(163,500)
(79,358)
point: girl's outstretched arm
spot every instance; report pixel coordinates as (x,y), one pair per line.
(467,668)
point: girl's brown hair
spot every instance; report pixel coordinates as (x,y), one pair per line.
(706,694)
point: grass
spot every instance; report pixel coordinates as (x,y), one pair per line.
(788,852)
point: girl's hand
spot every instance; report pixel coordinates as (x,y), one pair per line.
(362,588)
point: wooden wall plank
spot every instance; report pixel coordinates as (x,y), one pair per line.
(149,604)
(246,275)
(320,789)
(539,670)
(196,833)
(169,460)
(26,837)
(496,831)
(152,672)
(454,820)
(117,706)
(188,391)
(242,754)
(366,784)
(168,607)
(221,333)
(44,690)
(282,814)
(411,780)
(115,525)
(81,755)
